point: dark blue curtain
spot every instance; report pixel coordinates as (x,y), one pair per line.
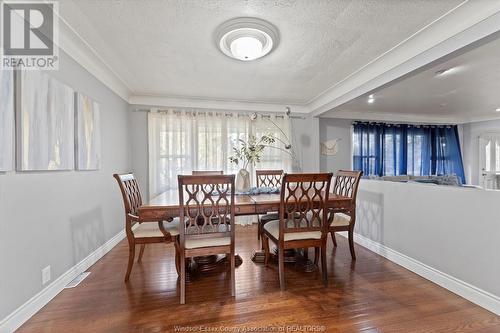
(447,156)
(419,147)
(388,149)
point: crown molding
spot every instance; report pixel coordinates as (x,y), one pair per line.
(461,26)
(77,48)
(213,104)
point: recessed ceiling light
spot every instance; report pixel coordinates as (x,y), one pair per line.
(246,38)
(497,109)
(371,96)
(371,100)
(447,71)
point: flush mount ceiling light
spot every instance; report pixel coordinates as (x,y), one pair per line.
(246,38)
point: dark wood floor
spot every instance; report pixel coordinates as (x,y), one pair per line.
(370,295)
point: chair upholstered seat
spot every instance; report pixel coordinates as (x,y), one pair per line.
(151,229)
(207,242)
(273,228)
(340,220)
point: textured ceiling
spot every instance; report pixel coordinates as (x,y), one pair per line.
(166,47)
(468,91)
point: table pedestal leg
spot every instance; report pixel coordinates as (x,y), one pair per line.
(292,256)
(206,264)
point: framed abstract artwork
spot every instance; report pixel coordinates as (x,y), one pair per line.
(87,133)
(45,123)
(6,119)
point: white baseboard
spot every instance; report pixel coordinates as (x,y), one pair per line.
(476,295)
(32,306)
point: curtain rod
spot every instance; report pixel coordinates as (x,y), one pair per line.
(401,124)
(226,113)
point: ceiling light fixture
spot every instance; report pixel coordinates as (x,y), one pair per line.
(371,100)
(246,38)
(497,109)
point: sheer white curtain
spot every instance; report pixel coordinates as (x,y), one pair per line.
(183,141)
(277,156)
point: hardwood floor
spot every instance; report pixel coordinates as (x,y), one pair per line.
(370,295)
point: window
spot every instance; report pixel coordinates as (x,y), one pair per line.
(489,160)
(391,150)
(180,142)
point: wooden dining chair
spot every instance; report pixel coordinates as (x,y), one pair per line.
(145,232)
(207,205)
(346,184)
(206,172)
(302,219)
(267,178)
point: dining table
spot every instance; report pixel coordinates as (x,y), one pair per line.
(165,207)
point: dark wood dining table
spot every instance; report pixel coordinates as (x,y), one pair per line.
(165,206)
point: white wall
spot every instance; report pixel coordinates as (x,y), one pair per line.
(305,138)
(471,133)
(58,218)
(336,129)
(452,229)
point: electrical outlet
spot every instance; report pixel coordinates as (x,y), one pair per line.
(45,275)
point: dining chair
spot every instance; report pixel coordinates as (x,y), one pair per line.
(267,178)
(302,219)
(206,172)
(346,184)
(141,232)
(207,205)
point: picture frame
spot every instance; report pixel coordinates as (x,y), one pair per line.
(45,122)
(87,133)
(6,120)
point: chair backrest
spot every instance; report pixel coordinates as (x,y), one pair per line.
(207,205)
(346,183)
(303,204)
(131,194)
(269,178)
(206,172)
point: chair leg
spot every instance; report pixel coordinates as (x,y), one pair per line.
(351,244)
(131,257)
(183,277)
(259,228)
(316,255)
(306,253)
(265,243)
(233,271)
(323,264)
(281,269)
(177,261)
(333,238)
(141,252)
